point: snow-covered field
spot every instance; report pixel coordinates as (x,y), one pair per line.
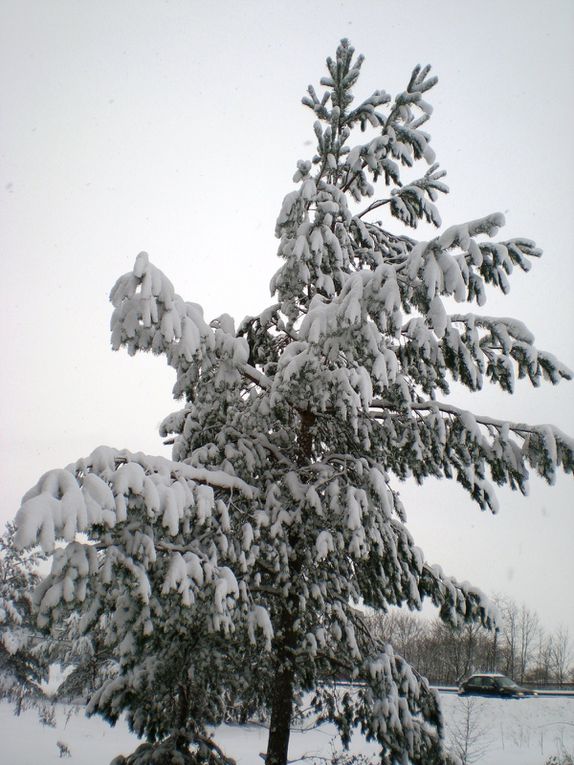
(511,732)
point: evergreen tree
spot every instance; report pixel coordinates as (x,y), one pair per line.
(228,578)
(21,669)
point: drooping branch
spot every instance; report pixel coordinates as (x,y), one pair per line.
(430,406)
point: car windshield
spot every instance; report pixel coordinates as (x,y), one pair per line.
(506,682)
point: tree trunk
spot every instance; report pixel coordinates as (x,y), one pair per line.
(281,713)
(283,688)
(285,639)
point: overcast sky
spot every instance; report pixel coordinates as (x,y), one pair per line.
(175,127)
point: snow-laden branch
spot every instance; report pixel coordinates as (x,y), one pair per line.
(436,406)
(253,374)
(149,315)
(442,440)
(95,492)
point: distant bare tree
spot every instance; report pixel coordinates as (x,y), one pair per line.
(509,616)
(540,670)
(520,627)
(403,629)
(528,628)
(561,654)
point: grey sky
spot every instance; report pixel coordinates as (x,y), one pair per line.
(175,127)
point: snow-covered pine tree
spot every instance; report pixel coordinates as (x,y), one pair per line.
(228,577)
(21,669)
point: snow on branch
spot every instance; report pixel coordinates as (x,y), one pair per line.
(464,274)
(497,345)
(150,316)
(471,347)
(458,602)
(458,441)
(95,493)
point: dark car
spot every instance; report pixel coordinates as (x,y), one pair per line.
(493,685)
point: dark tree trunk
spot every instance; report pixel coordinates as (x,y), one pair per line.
(281,713)
(283,687)
(305,438)
(285,638)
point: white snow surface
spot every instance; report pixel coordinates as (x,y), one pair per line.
(514,732)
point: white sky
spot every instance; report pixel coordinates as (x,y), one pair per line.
(175,127)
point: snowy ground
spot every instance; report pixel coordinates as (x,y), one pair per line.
(511,732)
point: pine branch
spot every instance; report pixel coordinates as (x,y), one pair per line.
(256,376)
(373,206)
(430,406)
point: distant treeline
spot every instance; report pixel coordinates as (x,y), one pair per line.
(520,648)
